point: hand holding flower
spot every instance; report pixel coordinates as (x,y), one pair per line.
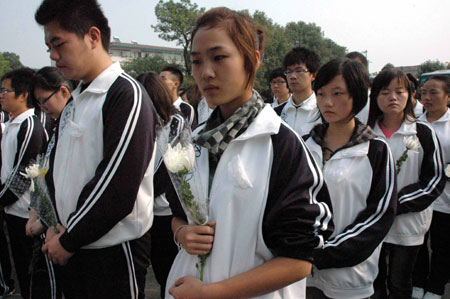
(56,253)
(188,287)
(34,226)
(197,239)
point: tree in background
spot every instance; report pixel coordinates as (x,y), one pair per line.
(13,59)
(280,40)
(4,65)
(9,61)
(388,66)
(431,66)
(176,20)
(137,66)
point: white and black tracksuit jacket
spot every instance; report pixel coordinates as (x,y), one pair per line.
(23,139)
(102,168)
(419,182)
(361,181)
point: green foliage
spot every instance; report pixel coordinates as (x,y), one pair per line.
(280,40)
(4,65)
(137,66)
(431,66)
(176,20)
(13,59)
(388,66)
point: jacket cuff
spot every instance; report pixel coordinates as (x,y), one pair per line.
(68,243)
(293,253)
(319,260)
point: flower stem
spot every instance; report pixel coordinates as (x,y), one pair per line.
(401,160)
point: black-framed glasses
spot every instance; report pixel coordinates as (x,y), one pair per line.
(5,90)
(47,98)
(277,82)
(297,71)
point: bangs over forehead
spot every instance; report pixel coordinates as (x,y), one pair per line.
(246,37)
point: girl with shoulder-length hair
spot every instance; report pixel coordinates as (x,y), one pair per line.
(420,179)
(163,249)
(266,193)
(359,172)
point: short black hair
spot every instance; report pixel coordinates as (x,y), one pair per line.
(174,71)
(76,16)
(382,80)
(361,58)
(302,55)
(21,82)
(443,79)
(278,72)
(355,76)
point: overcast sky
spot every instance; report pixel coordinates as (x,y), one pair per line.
(402,32)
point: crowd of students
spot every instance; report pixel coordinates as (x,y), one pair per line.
(330,191)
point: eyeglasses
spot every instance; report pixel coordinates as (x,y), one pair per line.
(277,82)
(297,71)
(40,104)
(5,90)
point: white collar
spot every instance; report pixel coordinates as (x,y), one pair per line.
(103,81)
(444,118)
(21,117)
(309,104)
(178,102)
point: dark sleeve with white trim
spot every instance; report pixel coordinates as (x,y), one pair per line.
(297,216)
(30,143)
(188,112)
(279,108)
(127,152)
(420,195)
(358,240)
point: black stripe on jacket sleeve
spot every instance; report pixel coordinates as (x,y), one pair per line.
(128,143)
(297,216)
(420,195)
(358,240)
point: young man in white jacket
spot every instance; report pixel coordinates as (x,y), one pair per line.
(300,111)
(23,139)
(102,164)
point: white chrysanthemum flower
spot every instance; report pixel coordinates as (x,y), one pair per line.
(32,171)
(411,143)
(179,158)
(447,171)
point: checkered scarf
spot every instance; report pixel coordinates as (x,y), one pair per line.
(217,133)
(361,134)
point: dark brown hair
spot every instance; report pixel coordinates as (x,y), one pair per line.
(245,35)
(381,81)
(159,94)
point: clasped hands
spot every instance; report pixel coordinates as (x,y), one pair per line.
(196,240)
(52,247)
